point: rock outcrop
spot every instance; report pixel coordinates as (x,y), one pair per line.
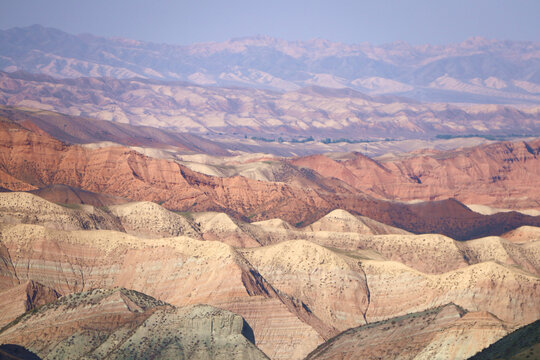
(445,332)
(24,297)
(180,271)
(119,323)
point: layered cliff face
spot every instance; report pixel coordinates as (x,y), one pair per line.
(119,323)
(31,159)
(331,286)
(339,230)
(445,332)
(345,289)
(295,293)
(393,283)
(501,175)
(180,270)
(28,295)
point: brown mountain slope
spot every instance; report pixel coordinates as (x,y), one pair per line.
(32,159)
(147,219)
(523,234)
(24,297)
(346,290)
(64,194)
(446,332)
(471,287)
(332,286)
(343,221)
(119,323)
(503,174)
(20,207)
(81,130)
(428,253)
(293,287)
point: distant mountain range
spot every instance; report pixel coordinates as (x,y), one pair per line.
(474,71)
(266,115)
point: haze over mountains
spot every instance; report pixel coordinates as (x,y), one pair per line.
(261,198)
(476,70)
(313,111)
(225,87)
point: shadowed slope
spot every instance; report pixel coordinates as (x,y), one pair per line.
(522,344)
(64,194)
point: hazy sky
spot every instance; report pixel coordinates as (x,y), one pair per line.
(185,22)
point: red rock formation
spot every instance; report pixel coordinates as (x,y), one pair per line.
(37,160)
(503,175)
(26,296)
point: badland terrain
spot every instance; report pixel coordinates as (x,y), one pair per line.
(260,198)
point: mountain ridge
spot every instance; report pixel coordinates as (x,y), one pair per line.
(123,172)
(241,112)
(278,64)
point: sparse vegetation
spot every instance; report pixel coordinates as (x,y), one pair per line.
(485,136)
(187,214)
(351,141)
(71,206)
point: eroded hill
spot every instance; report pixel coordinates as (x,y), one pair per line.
(33,159)
(119,323)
